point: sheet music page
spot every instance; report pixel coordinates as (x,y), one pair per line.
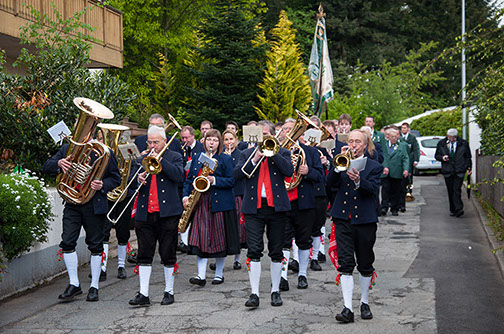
(359,164)
(205,159)
(58,132)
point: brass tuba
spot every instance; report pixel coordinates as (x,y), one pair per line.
(302,124)
(111,136)
(200,185)
(74,186)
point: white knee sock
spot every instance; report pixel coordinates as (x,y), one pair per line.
(144,273)
(255,276)
(95,270)
(286,254)
(104,261)
(237,258)
(219,266)
(316,247)
(202,264)
(322,242)
(304,256)
(347,285)
(169,279)
(364,288)
(72,263)
(295,250)
(184,237)
(121,255)
(276,271)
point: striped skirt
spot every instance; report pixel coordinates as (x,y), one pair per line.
(207,237)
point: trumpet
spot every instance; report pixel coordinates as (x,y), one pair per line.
(342,161)
(268,147)
(150,164)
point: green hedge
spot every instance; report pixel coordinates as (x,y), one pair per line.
(436,124)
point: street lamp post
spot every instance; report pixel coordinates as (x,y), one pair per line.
(464,109)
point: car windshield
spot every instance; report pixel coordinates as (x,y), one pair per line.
(430,143)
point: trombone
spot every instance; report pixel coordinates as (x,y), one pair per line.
(269,147)
(150,164)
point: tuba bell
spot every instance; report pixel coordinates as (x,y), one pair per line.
(89,158)
(111,137)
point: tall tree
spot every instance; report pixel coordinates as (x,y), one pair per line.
(286,86)
(233,51)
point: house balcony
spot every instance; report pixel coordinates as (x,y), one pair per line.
(107,49)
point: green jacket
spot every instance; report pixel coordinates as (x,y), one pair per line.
(379,137)
(398,161)
(413,149)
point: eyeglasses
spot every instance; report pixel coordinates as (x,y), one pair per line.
(153,142)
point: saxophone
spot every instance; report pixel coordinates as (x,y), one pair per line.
(200,185)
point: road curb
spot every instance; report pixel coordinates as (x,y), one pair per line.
(489,233)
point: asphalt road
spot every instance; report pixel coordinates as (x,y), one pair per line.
(456,253)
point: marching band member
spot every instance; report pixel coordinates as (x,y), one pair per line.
(300,223)
(230,141)
(355,217)
(91,216)
(204,127)
(214,229)
(157,120)
(265,206)
(158,213)
(233,126)
(191,148)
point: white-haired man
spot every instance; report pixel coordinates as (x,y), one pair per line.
(455,156)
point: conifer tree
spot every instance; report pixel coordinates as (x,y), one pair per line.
(286,86)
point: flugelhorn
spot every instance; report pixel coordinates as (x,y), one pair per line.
(74,186)
(342,161)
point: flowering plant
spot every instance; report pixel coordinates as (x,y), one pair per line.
(25,213)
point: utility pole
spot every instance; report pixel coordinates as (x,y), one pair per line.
(464,109)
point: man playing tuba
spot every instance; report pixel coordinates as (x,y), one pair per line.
(91,216)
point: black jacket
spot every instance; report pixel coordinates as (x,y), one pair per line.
(461,160)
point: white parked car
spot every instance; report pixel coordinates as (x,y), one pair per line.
(427,150)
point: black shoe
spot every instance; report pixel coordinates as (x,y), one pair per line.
(383,212)
(294,266)
(132,258)
(92,295)
(394,213)
(321,258)
(302,282)
(276,300)
(459,214)
(315,266)
(237,265)
(212,266)
(365,312)
(168,299)
(121,273)
(345,316)
(70,292)
(103,276)
(402,209)
(182,247)
(197,281)
(253,301)
(452,214)
(284,284)
(217,280)
(140,300)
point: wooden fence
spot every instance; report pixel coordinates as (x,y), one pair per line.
(485,171)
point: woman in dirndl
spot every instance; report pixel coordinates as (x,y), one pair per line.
(214,228)
(230,142)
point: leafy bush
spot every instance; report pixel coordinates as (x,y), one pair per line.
(31,104)
(25,213)
(436,124)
